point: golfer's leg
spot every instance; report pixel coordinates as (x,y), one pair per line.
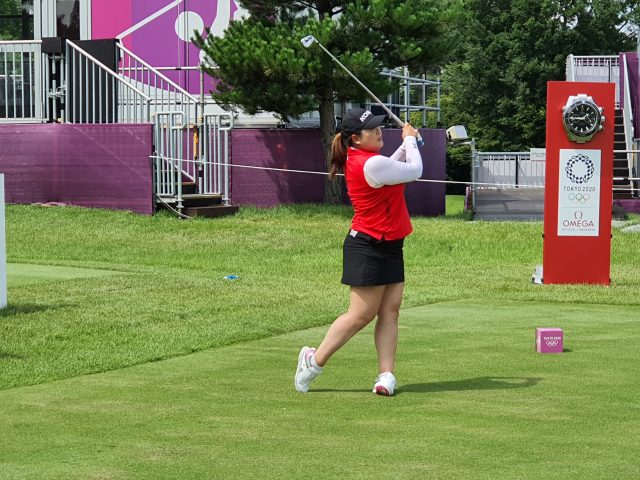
(365,302)
(386,333)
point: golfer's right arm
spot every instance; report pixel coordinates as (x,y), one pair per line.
(381,170)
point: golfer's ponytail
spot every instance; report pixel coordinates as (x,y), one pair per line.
(339,150)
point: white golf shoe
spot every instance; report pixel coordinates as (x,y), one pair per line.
(305,372)
(384,384)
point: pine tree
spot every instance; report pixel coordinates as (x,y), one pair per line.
(262,66)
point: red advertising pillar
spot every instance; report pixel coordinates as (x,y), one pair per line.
(578,183)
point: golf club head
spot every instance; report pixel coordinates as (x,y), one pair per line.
(308,40)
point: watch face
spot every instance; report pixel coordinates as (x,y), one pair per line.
(582,118)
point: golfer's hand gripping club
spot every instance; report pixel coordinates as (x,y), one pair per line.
(310,39)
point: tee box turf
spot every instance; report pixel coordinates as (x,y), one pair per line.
(549,340)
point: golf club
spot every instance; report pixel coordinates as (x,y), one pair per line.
(308,41)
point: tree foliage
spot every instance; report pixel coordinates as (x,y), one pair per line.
(261,65)
(496,82)
(10,28)
(511,49)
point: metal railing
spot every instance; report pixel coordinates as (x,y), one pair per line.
(208,168)
(21,94)
(165,94)
(636,167)
(405,91)
(215,155)
(504,170)
(168,137)
(511,169)
(96,94)
(604,68)
(627,114)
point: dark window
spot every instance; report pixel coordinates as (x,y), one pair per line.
(68,15)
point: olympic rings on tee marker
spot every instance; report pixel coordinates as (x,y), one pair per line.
(579,198)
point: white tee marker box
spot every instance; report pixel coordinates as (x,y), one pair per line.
(3,250)
(549,340)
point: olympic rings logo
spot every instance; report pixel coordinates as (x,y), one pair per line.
(579,198)
(588,164)
(552,343)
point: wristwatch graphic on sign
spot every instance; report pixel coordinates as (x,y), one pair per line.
(582,118)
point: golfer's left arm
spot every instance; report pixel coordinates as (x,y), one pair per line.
(380,170)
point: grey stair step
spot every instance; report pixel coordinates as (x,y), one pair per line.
(212,211)
(202,195)
(194,200)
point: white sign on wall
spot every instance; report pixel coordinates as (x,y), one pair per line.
(538,154)
(579,195)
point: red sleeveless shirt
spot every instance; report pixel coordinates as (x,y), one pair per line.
(379,212)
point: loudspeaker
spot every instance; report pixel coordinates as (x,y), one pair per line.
(53,45)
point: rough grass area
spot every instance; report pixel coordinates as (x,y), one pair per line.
(474,401)
(172,300)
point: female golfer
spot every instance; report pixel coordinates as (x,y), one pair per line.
(373,264)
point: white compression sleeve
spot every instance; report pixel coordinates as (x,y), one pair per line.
(400,155)
(380,170)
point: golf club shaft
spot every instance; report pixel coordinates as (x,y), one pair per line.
(400,122)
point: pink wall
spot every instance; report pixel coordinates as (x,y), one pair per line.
(302,150)
(99,166)
(157,38)
(110,18)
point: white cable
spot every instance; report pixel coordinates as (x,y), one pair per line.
(182,215)
(454,182)
(340,174)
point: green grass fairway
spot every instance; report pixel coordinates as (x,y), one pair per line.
(19,274)
(455,204)
(169,299)
(125,355)
(474,401)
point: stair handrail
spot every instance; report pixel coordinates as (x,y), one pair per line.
(156,71)
(170,83)
(145,100)
(627,114)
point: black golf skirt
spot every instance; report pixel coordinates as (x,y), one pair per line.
(370,262)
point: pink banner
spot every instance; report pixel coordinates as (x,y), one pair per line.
(160,31)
